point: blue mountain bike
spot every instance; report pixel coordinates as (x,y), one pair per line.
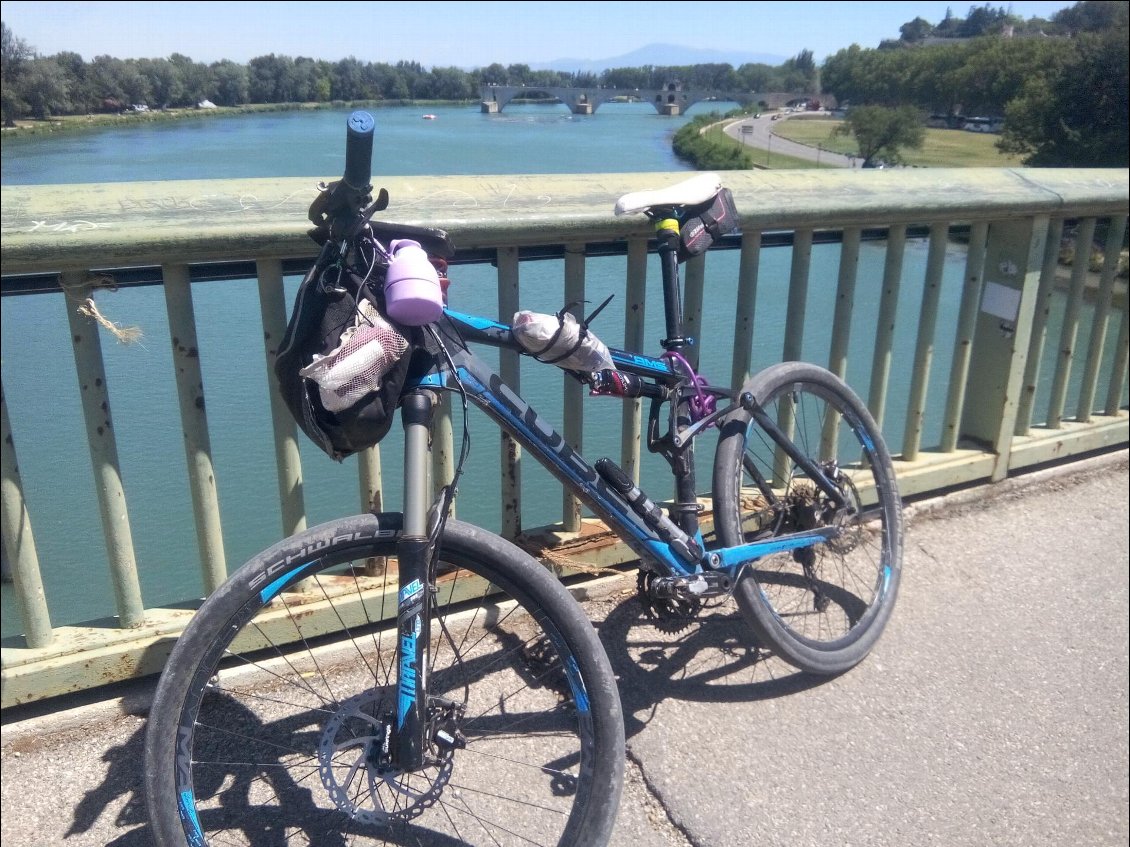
(411,679)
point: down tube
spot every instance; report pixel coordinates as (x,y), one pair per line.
(487,390)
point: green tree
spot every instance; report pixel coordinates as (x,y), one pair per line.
(982,20)
(754,77)
(494,74)
(628,78)
(164,80)
(195,80)
(1076,116)
(348,81)
(451,84)
(1094,16)
(14,56)
(916,30)
(43,86)
(78,84)
(311,81)
(230,85)
(269,78)
(882,133)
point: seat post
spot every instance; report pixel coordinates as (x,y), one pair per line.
(667,234)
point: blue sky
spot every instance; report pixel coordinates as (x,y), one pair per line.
(464,34)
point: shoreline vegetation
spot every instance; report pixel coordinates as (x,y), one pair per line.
(113,120)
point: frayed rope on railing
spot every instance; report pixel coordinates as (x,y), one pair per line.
(88,308)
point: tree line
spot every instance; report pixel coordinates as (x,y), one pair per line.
(41,87)
(1063,93)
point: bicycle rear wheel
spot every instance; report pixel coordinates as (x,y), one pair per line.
(820,608)
(268,720)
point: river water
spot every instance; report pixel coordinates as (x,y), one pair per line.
(41,391)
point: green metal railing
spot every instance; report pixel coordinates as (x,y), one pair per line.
(78,238)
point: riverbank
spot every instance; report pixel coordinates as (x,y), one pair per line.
(94,122)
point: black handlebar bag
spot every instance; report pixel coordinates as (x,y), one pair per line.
(342,364)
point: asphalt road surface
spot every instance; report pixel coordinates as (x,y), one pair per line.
(992,712)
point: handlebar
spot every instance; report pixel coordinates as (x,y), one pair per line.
(344,207)
(359,151)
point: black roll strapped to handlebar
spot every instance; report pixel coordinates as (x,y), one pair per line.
(344,205)
(359,151)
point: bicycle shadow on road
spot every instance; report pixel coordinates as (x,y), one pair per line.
(123,779)
(249,755)
(713,658)
(261,825)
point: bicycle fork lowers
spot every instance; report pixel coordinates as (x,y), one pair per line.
(421,728)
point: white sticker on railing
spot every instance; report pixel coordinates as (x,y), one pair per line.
(1001,301)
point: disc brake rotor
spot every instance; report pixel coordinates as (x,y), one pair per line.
(347,765)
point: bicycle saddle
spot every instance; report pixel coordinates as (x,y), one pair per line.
(690,192)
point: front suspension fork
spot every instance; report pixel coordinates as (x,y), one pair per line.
(414,596)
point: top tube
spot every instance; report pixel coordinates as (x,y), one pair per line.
(479,330)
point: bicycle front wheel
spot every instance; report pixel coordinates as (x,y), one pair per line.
(820,608)
(271,714)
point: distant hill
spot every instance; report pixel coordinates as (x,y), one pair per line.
(662,55)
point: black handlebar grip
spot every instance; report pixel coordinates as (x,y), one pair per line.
(359,150)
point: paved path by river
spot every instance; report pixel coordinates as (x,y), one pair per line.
(757,133)
(992,712)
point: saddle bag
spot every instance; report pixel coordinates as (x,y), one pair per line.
(342,363)
(707,223)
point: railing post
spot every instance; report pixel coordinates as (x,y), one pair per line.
(1102,316)
(635,308)
(574,413)
(885,325)
(963,337)
(1013,260)
(288,462)
(194,423)
(1069,333)
(798,296)
(841,329)
(924,348)
(742,362)
(694,280)
(443,446)
(1118,369)
(510,369)
(845,298)
(794,333)
(103,452)
(1039,327)
(20,543)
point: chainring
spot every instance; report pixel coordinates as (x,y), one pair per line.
(670,615)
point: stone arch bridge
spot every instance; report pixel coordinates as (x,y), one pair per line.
(672,99)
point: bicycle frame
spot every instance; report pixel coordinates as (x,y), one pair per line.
(665,556)
(486,390)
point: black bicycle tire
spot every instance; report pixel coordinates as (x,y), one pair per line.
(600,737)
(769,624)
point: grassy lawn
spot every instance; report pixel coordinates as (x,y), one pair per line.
(943,148)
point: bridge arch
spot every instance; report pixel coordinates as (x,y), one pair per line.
(671,99)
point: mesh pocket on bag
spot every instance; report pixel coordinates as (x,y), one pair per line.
(368,350)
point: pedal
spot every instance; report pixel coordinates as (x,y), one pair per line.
(709,584)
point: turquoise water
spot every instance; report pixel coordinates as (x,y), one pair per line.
(41,391)
(620,137)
